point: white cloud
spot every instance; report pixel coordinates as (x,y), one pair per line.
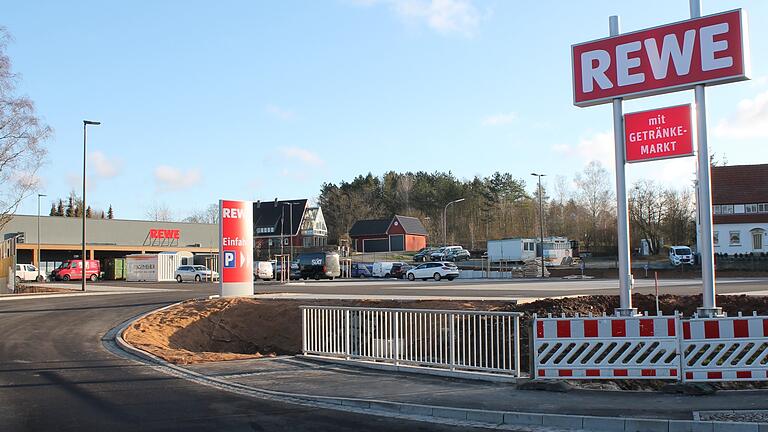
(749,121)
(304,156)
(499,119)
(170,178)
(598,146)
(443,16)
(281,113)
(104,167)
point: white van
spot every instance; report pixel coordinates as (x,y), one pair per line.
(263,270)
(383,268)
(27,272)
(679,255)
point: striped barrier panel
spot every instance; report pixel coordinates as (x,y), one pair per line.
(725,349)
(606,347)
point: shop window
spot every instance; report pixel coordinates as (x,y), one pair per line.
(735,238)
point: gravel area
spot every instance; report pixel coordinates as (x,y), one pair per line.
(751,416)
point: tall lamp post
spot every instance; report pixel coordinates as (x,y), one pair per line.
(86,123)
(541,221)
(445,220)
(39,274)
(290,233)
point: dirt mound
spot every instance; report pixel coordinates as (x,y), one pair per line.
(229,329)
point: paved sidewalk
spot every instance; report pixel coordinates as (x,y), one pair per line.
(298,375)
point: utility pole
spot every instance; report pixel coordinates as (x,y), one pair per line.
(445,220)
(541,221)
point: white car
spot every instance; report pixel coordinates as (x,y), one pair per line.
(441,253)
(195,273)
(679,255)
(433,270)
(27,272)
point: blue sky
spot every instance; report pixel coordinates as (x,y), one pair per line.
(256,100)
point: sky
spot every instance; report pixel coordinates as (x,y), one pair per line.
(205,100)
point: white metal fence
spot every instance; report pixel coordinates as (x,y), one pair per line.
(457,341)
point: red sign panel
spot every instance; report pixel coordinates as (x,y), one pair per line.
(673,57)
(658,134)
(173,234)
(236,243)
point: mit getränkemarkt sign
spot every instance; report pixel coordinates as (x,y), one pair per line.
(707,50)
(658,134)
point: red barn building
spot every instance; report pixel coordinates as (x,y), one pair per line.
(399,234)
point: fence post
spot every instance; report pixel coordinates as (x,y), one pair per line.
(453,342)
(396,338)
(517,346)
(304,331)
(347,348)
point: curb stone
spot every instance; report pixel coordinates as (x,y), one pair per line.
(418,412)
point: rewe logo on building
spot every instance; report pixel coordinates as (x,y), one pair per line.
(232,213)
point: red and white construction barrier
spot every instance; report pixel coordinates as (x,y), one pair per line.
(607,347)
(725,349)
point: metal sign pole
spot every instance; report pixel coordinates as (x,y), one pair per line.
(625,271)
(709,307)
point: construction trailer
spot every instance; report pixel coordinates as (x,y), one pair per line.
(160,267)
(511,250)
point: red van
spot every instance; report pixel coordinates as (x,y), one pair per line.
(73,270)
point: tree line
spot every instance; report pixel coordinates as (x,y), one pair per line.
(73,207)
(498,206)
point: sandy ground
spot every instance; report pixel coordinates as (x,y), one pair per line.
(240,328)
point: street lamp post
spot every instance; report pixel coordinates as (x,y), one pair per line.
(38,234)
(541,221)
(445,220)
(86,123)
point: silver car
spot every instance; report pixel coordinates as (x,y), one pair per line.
(195,273)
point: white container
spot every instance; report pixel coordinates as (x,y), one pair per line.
(159,267)
(513,249)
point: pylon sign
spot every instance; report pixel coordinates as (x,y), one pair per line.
(236,248)
(673,57)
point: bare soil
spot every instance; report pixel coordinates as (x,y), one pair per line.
(34,289)
(241,328)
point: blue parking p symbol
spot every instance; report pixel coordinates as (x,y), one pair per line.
(230,259)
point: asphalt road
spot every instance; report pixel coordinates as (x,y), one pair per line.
(55,374)
(510,289)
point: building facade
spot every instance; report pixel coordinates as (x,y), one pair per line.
(280,224)
(740,209)
(398,234)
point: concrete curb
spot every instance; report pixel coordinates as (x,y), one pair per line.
(428,413)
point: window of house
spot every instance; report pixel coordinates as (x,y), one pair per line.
(716,238)
(762,208)
(723,209)
(750,208)
(735,238)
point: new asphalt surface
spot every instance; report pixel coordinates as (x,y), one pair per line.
(55,374)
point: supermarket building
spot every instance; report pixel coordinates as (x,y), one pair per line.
(61,238)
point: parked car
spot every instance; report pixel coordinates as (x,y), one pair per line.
(263,270)
(320,265)
(383,269)
(679,255)
(73,270)
(423,254)
(457,255)
(293,272)
(399,270)
(195,273)
(360,270)
(434,270)
(439,255)
(27,272)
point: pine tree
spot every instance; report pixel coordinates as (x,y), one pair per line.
(70,211)
(60,208)
(110,213)
(101,215)
(53,210)
(88,212)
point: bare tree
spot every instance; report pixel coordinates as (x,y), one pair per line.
(208,215)
(159,212)
(595,194)
(21,137)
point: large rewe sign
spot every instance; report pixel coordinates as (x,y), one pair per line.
(236,248)
(707,50)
